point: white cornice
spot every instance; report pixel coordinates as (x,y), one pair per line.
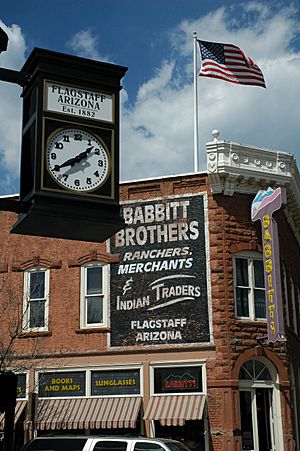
(238,168)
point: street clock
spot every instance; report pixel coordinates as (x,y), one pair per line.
(69,184)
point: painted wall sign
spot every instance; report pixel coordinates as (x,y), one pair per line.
(118,382)
(78,102)
(264,205)
(158,291)
(62,384)
(21,385)
(178,380)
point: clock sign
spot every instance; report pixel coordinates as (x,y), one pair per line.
(77,160)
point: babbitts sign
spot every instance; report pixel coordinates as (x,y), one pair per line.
(178,379)
(159,289)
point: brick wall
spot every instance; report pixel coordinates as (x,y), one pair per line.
(230,231)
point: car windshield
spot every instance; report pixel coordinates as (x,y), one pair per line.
(56,444)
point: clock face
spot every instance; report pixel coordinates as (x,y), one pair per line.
(77,160)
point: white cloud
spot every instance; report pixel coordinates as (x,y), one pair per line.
(84,43)
(157,131)
(153,132)
(10,111)
(157,127)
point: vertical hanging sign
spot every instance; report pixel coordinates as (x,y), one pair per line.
(263,206)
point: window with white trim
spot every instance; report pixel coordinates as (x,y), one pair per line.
(93,295)
(36,299)
(249,286)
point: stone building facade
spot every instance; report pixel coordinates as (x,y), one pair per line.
(162,330)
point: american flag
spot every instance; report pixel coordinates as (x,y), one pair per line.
(229,63)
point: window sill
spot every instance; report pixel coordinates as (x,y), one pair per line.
(250,320)
(33,334)
(93,330)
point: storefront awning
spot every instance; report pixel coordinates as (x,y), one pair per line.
(20,406)
(175,410)
(88,413)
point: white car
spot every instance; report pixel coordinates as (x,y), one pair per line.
(102,443)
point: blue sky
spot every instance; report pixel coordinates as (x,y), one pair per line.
(154,40)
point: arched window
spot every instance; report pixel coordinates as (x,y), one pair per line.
(249,286)
(254,370)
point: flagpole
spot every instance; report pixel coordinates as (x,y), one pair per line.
(196,137)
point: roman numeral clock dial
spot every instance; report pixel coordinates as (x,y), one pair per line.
(77,160)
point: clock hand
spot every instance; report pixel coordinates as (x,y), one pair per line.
(74,160)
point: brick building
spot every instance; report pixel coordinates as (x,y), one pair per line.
(162,330)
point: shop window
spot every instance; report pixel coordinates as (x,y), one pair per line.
(93,295)
(249,287)
(36,299)
(179,379)
(191,434)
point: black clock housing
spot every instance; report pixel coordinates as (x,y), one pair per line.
(69,93)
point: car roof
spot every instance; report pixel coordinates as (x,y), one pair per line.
(106,437)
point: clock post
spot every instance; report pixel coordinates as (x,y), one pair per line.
(69,183)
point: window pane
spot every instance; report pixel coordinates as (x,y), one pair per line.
(242,307)
(112,445)
(247,370)
(94,309)
(260,369)
(246,420)
(260,303)
(94,280)
(37,285)
(37,314)
(244,375)
(241,265)
(264,375)
(259,274)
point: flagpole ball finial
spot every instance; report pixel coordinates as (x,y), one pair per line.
(215,134)
(194,34)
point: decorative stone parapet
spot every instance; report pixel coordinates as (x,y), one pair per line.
(238,168)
